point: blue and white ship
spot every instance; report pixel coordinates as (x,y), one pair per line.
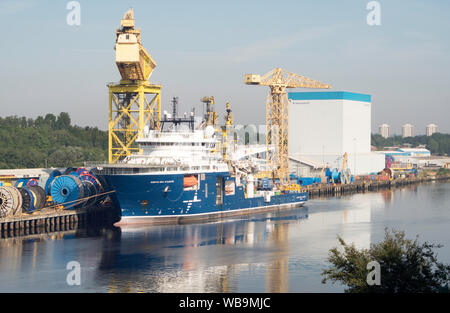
(181,175)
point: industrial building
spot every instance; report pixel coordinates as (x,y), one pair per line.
(384,130)
(407,130)
(323,126)
(8,177)
(408,158)
(431,129)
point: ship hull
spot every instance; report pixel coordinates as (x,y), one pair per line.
(163,199)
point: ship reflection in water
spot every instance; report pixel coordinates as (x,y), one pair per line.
(283,251)
(199,257)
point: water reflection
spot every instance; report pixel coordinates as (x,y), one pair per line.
(274,252)
(200,257)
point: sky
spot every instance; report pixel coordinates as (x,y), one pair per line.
(204,48)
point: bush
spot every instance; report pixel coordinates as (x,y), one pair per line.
(406,266)
(443,172)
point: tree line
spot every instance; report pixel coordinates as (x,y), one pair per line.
(437,143)
(49,141)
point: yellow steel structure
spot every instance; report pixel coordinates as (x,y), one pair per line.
(277,113)
(344,162)
(133,61)
(211,115)
(131,107)
(228,122)
(134,102)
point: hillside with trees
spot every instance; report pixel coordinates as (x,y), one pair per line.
(438,144)
(49,141)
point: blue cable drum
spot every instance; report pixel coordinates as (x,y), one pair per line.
(92,187)
(26,182)
(41,197)
(22,182)
(328,175)
(29,200)
(102,186)
(66,188)
(68,170)
(50,179)
(82,170)
(90,190)
(335,175)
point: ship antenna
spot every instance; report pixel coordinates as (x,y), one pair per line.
(174,106)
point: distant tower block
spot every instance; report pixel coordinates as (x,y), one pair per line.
(407,130)
(384,130)
(431,129)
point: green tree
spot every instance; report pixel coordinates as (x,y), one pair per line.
(51,140)
(406,266)
(63,121)
(50,120)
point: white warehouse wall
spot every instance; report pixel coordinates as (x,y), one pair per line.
(325,125)
(315,127)
(356,121)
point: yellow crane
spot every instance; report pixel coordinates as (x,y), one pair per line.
(134,102)
(133,61)
(277,113)
(228,122)
(211,114)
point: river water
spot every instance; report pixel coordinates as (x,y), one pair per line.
(273,252)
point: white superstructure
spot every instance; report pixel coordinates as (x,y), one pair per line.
(179,150)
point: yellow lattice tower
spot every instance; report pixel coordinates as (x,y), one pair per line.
(277,114)
(134,102)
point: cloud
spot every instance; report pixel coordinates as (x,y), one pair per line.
(273,45)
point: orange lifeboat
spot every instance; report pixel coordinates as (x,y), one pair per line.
(189,181)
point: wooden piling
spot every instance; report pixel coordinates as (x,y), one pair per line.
(50,220)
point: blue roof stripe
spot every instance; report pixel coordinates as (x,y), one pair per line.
(330,95)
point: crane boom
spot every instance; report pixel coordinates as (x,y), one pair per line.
(277,113)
